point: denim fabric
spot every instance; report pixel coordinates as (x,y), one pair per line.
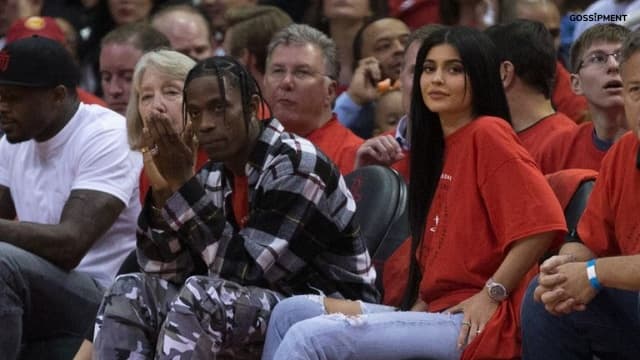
(39,301)
(297,332)
(608,329)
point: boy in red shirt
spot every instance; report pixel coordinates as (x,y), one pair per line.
(597,298)
(596,75)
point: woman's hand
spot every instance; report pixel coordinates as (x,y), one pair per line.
(477,310)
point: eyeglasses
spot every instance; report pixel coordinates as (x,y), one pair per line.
(299,74)
(600,59)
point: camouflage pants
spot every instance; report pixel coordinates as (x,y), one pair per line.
(144,317)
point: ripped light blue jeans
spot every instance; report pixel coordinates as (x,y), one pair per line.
(299,328)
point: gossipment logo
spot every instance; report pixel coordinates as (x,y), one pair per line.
(595,17)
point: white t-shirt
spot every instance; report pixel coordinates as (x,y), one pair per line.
(91,153)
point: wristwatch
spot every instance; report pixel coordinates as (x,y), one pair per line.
(497,292)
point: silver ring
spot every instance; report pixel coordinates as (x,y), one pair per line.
(466,323)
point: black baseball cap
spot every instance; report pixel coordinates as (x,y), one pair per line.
(37,62)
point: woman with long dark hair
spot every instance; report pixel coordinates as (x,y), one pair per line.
(481,216)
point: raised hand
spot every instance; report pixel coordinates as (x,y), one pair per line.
(380,150)
(173,155)
(363,87)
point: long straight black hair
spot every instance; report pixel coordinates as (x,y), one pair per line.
(482,68)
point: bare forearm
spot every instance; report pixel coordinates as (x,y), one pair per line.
(578,250)
(51,242)
(85,217)
(620,272)
(7,208)
(522,256)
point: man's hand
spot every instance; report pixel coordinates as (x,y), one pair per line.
(173,155)
(561,285)
(363,87)
(575,286)
(380,150)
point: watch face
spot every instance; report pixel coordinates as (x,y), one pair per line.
(497,292)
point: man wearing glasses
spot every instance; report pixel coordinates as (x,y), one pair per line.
(585,301)
(596,75)
(300,86)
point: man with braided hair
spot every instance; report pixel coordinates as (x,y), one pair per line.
(268,217)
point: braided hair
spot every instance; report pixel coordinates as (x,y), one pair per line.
(236,75)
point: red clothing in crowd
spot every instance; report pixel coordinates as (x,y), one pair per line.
(533,136)
(415,13)
(609,224)
(476,215)
(565,100)
(144,180)
(88,98)
(570,149)
(338,143)
(240,199)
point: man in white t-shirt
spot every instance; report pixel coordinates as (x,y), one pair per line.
(69,177)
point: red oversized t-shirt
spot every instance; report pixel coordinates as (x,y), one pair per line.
(490,195)
(570,149)
(534,136)
(338,143)
(609,224)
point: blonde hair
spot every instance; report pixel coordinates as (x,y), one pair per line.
(170,62)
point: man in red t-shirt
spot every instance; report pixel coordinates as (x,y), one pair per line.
(528,74)
(594,58)
(300,86)
(598,298)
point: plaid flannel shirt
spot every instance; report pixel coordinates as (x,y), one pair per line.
(300,236)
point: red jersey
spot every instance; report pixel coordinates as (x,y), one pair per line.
(338,143)
(565,100)
(570,149)
(415,13)
(88,98)
(533,136)
(479,210)
(609,224)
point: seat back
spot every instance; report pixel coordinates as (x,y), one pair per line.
(572,188)
(575,208)
(380,194)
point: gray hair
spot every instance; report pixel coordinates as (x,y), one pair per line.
(301,34)
(170,62)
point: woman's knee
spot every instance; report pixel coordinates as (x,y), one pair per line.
(295,309)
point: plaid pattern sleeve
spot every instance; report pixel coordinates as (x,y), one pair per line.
(300,236)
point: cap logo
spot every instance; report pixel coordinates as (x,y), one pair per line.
(4,61)
(34,23)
